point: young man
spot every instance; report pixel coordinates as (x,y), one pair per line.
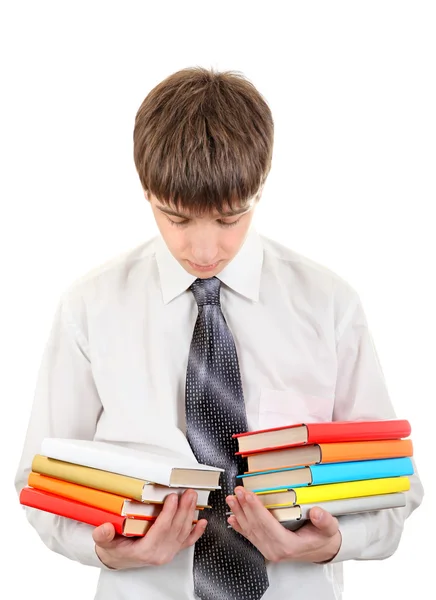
(208,330)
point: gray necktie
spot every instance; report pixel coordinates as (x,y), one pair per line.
(226,565)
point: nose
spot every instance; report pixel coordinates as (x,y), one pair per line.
(204,249)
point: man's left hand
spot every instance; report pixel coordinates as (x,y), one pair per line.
(319,540)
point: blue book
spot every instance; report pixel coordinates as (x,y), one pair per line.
(321,474)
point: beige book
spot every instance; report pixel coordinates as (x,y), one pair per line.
(130,487)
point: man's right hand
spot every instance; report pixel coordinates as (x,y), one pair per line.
(171,532)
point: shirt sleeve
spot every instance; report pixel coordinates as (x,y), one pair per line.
(361,394)
(66,404)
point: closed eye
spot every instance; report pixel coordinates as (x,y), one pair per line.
(178,223)
(220,222)
(227,224)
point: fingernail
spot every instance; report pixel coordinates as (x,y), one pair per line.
(239,494)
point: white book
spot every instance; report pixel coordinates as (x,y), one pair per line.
(293,517)
(163,468)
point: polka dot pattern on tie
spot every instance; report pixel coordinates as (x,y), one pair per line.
(226,565)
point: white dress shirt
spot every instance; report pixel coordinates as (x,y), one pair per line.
(114,369)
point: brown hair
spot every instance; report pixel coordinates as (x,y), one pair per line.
(203,140)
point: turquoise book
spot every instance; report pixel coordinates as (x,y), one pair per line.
(322,474)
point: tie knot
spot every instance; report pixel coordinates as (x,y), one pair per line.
(206,291)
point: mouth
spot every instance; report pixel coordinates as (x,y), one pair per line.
(203,268)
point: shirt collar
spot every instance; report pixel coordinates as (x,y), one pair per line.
(242,274)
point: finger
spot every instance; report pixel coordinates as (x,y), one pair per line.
(254,511)
(103,535)
(235,505)
(169,509)
(254,504)
(260,520)
(232,521)
(195,534)
(182,522)
(324,521)
(163,522)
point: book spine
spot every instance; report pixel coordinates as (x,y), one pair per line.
(88,477)
(96,458)
(342,431)
(351,489)
(104,500)
(64,507)
(347,506)
(358,470)
(371,450)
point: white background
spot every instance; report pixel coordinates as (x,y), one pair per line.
(352,89)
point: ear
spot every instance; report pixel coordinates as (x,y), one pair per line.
(146,195)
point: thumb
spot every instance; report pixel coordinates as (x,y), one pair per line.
(103,535)
(326,523)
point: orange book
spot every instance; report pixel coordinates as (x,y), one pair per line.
(103,500)
(329,453)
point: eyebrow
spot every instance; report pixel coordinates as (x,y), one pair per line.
(173,213)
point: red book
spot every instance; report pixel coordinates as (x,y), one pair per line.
(299,434)
(84,513)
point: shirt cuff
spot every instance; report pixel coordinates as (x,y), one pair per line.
(85,544)
(354,538)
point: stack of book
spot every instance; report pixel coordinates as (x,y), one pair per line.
(97,482)
(343,467)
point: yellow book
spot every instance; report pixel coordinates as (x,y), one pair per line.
(334,491)
(122,485)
